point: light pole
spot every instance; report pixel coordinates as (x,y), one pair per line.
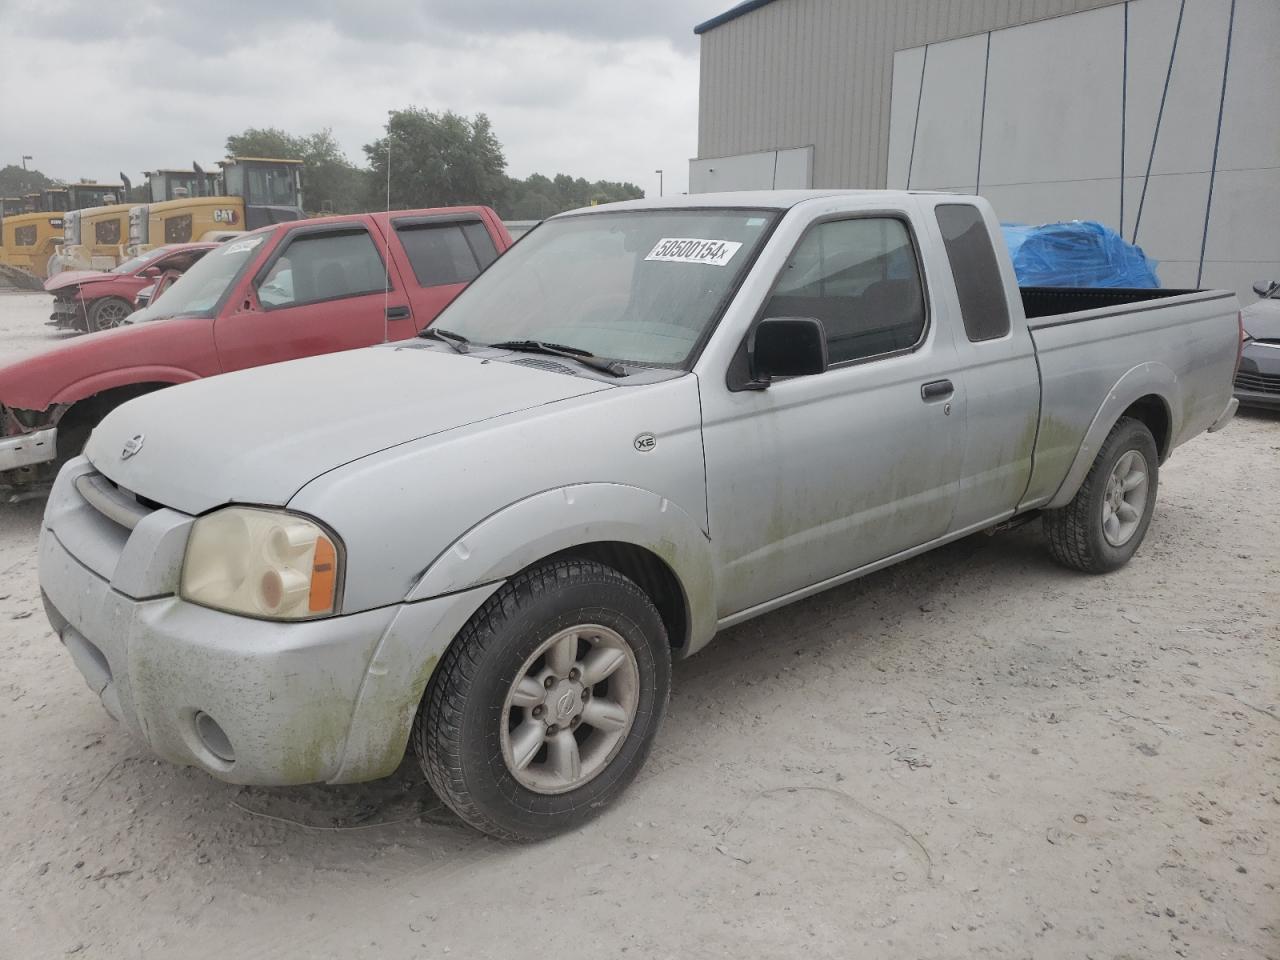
(25,158)
(659,173)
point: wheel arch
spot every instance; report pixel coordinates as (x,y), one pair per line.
(84,414)
(649,572)
(145,378)
(637,532)
(1148,393)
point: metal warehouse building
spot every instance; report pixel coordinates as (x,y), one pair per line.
(1155,117)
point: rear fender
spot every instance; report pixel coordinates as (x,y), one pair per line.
(1146,379)
(546,523)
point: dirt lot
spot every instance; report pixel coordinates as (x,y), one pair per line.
(973,754)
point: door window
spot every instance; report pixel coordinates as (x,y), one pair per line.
(326,266)
(983,305)
(861,279)
(447,252)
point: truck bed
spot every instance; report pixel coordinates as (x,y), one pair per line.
(1088,340)
(1039,302)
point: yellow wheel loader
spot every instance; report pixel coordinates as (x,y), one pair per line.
(247,193)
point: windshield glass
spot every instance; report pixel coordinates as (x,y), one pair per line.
(640,286)
(271,185)
(198,292)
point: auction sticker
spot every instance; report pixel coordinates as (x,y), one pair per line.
(240,246)
(691,250)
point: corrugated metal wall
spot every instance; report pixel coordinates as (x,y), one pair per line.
(799,72)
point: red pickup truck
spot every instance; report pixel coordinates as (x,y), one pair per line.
(278,293)
(99,300)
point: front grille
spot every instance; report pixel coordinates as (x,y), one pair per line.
(113,501)
(1258,382)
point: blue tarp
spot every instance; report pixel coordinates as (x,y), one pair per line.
(1080,253)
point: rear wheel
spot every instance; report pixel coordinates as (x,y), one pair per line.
(1106,521)
(545,706)
(108,313)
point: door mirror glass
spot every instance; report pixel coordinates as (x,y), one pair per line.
(1264,288)
(787,347)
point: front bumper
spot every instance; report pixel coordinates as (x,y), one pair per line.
(68,313)
(1257,382)
(329,700)
(28,449)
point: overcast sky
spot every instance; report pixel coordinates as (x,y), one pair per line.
(603,89)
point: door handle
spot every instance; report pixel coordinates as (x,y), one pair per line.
(398,313)
(936,390)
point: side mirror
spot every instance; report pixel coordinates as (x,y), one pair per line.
(150,273)
(1264,288)
(787,347)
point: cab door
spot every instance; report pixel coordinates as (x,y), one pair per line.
(324,288)
(814,477)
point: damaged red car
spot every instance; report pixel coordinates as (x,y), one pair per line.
(93,300)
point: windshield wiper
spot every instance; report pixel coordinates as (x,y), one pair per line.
(585,357)
(457,341)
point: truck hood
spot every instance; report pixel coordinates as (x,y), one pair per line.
(74,278)
(1262,320)
(260,435)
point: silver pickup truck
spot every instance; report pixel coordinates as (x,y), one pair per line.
(645,423)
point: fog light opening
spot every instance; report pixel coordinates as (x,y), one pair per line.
(214,738)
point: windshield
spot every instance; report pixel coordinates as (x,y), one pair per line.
(640,286)
(271,186)
(199,291)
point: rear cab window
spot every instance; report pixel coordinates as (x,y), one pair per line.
(445,251)
(983,305)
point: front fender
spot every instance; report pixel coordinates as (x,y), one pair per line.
(525,532)
(127,377)
(1146,379)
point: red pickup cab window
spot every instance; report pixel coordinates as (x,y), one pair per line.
(443,253)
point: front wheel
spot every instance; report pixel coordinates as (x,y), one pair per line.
(1105,522)
(108,313)
(545,706)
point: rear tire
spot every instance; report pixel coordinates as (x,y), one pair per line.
(521,764)
(108,313)
(1107,519)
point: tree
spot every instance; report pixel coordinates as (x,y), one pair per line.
(16,182)
(330,182)
(536,197)
(437,159)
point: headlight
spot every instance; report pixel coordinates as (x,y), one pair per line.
(262,563)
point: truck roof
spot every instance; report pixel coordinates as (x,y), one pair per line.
(231,160)
(381,216)
(770,199)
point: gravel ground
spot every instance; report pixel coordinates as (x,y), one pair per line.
(975,753)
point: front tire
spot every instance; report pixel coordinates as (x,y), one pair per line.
(1106,521)
(108,313)
(545,706)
